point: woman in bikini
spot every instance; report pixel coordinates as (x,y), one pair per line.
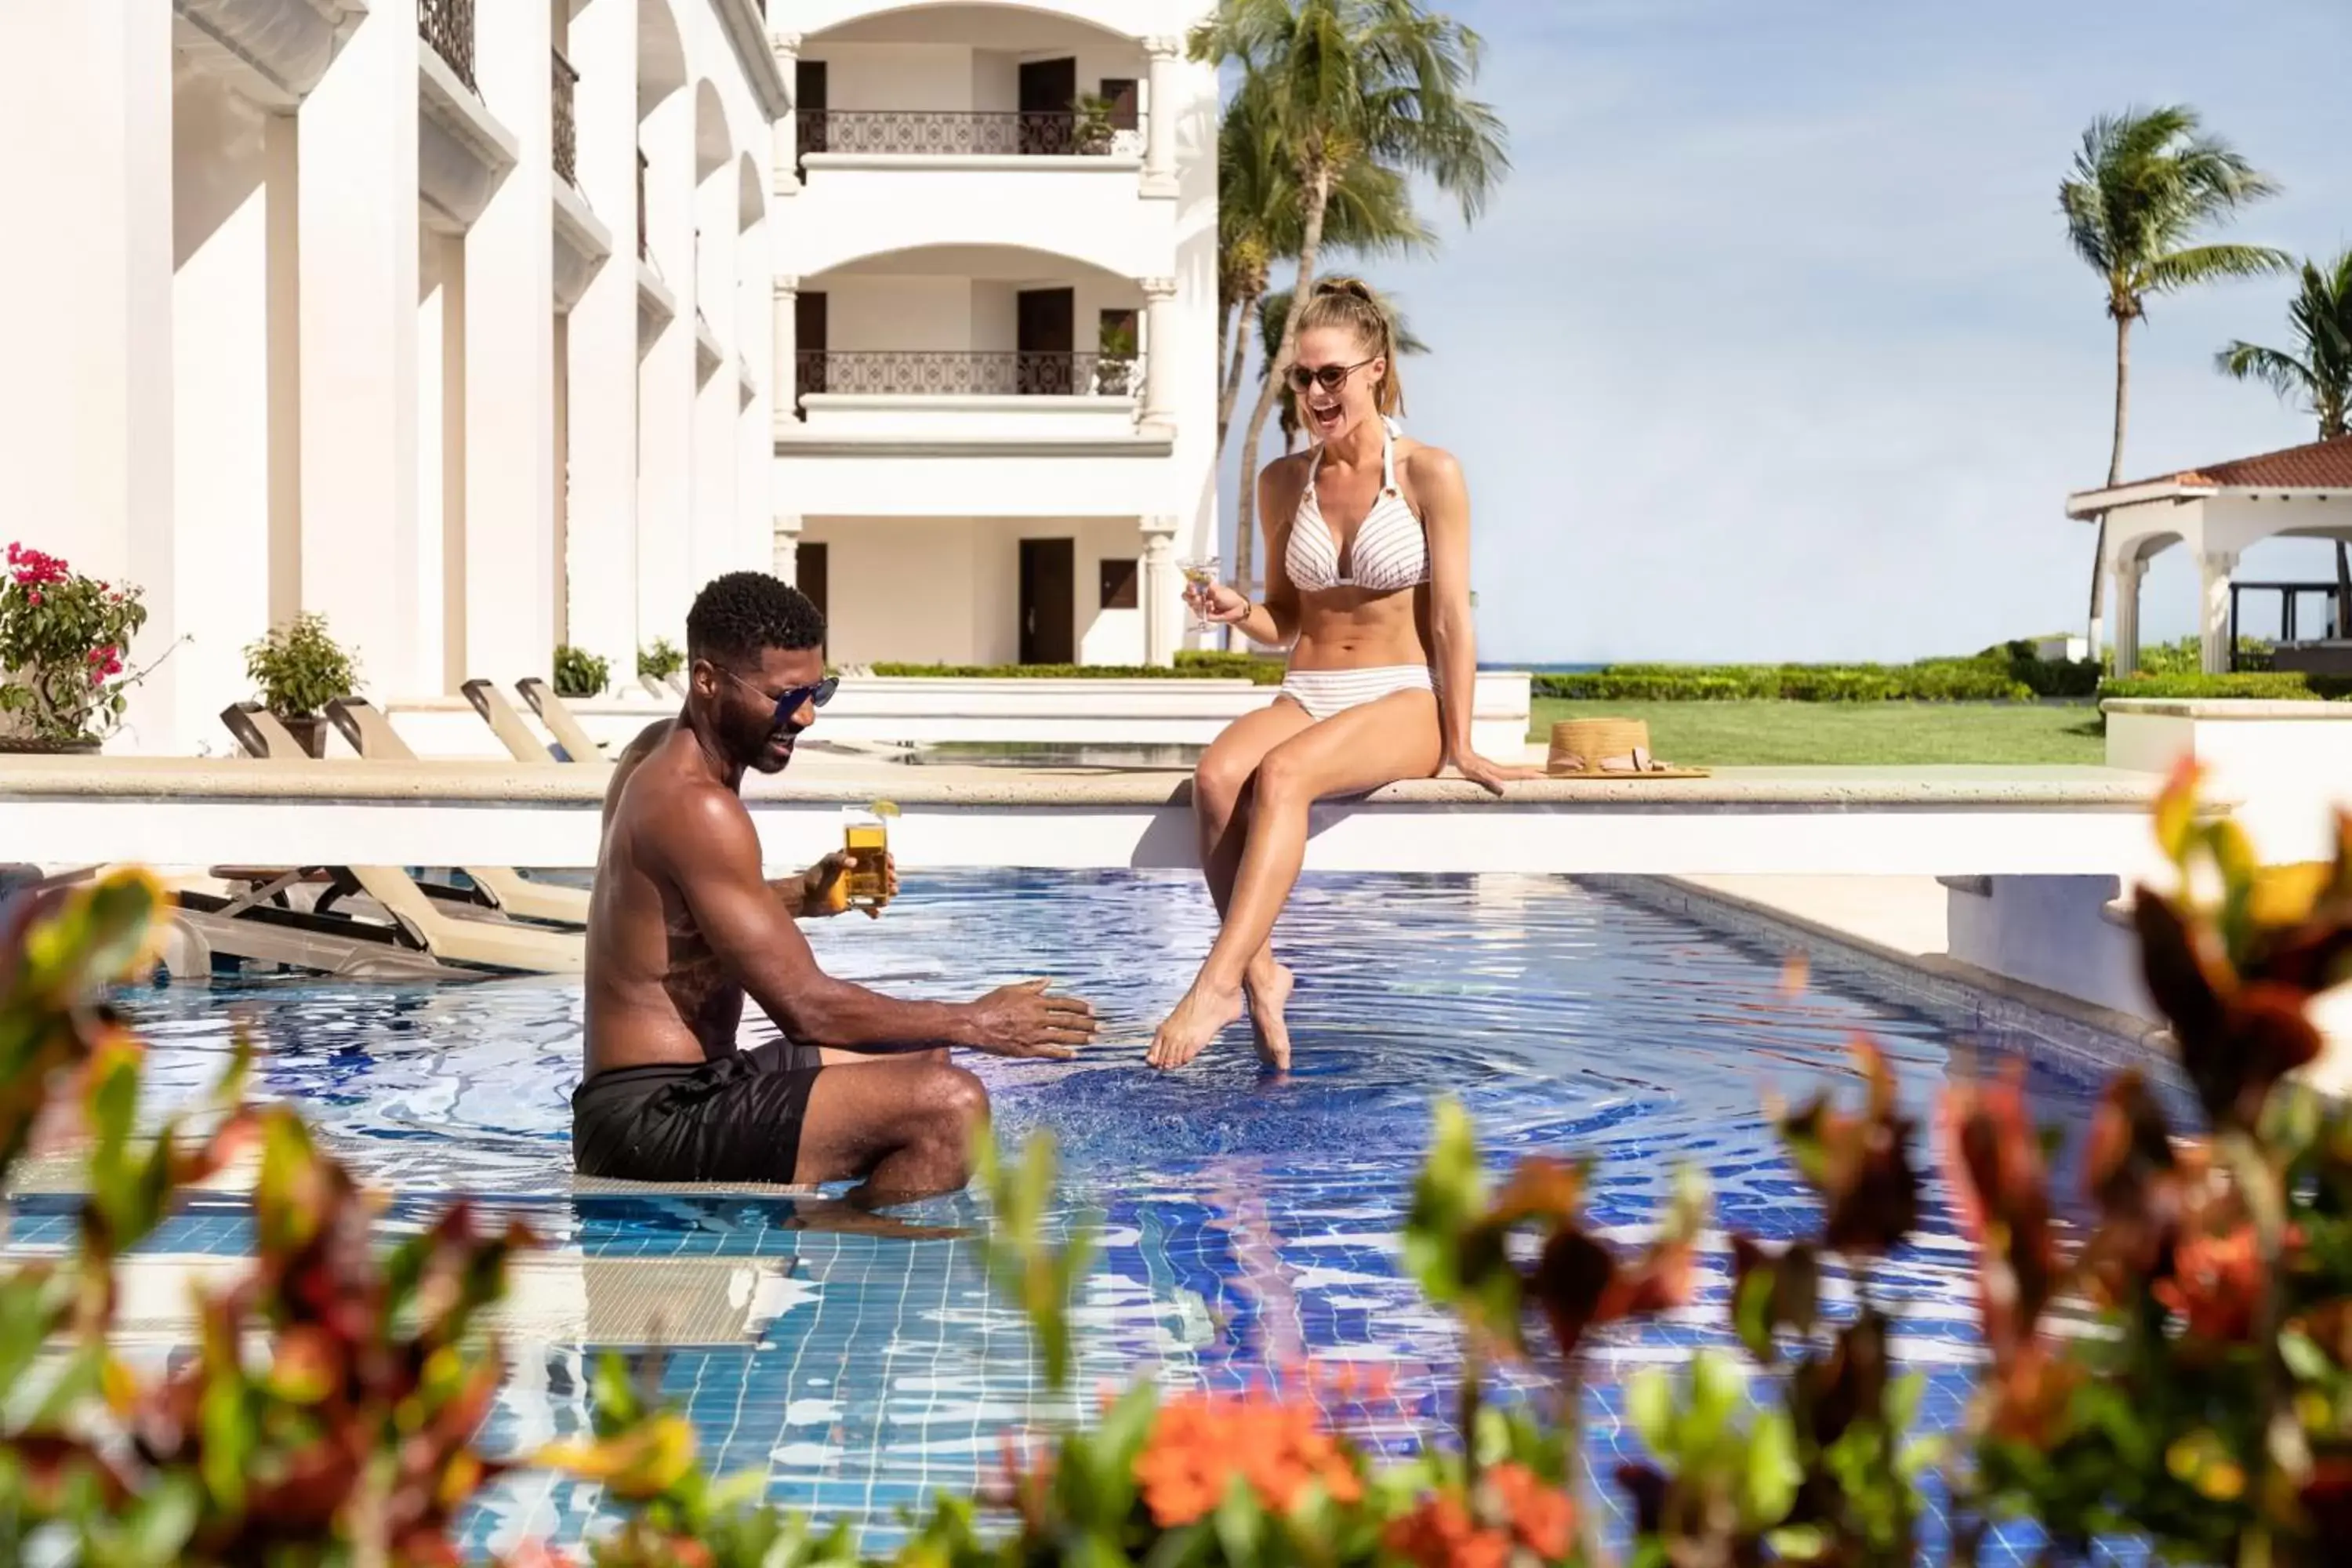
(1368,553)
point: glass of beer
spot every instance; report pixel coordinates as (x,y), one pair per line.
(866,840)
(1201,576)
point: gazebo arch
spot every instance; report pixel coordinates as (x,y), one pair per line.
(2218,511)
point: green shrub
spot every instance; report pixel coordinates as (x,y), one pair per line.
(1950,680)
(579,673)
(659,660)
(299,670)
(2270,685)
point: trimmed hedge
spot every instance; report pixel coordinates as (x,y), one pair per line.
(1191,664)
(2276,685)
(2010,673)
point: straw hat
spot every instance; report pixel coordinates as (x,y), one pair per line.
(1582,745)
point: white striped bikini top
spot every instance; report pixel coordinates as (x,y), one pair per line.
(1391,550)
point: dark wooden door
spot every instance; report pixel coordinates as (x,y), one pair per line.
(1049,95)
(813,570)
(808,104)
(1049,611)
(1125,99)
(1047,335)
(808,345)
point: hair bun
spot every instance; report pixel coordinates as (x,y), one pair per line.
(1355,286)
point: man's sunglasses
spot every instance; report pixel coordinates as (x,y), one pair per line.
(789,702)
(1328,376)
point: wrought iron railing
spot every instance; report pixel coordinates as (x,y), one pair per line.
(567,138)
(947,133)
(950,373)
(643,254)
(448,26)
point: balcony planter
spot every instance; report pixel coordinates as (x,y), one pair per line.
(63,638)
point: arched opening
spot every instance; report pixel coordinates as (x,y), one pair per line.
(1040,80)
(970,320)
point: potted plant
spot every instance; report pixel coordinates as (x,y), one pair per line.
(63,636)
(656,663)
(299,670)
(1093,131)
(579,673)
(1115,363)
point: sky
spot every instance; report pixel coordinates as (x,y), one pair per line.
(1772,346)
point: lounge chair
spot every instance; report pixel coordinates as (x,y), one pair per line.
(372,737)
(579,746)
(505,723)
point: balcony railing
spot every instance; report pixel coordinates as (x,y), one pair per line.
(567,139)
(949,134)
(448,26)
(969,373)
(643,254)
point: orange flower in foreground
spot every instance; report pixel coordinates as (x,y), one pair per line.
(1532,1513)
(2217,1281)
(1201,1442)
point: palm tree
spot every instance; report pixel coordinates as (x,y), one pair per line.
(1273,310)
(1261,219)
(1342,84)
(2146,187)
(2321,376)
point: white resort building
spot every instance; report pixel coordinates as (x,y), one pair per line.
(483,326)
(1001,316)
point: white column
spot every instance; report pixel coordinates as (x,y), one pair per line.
(1160,340)
(784,171)
(601,573)
(1160,593)
(665,379)
(2214,567)
(512,571)
(718,397)
(359,238)
(784,329)
(2129,573)
(1160,116)
(755,426)
(86,416)
(785,562)
(232,380)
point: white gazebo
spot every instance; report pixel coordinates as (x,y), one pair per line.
(2217,511)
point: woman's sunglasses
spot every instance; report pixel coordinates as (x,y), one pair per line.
(1327,376)
(789,702)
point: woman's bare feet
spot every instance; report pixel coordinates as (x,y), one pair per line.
(1197,1019)
(1269,993)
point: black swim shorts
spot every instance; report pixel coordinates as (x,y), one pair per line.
(737,1119)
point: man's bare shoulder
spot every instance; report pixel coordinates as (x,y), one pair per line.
(676,809)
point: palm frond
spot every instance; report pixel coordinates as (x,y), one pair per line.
(2275,368)
(2317,373)
(2211,263)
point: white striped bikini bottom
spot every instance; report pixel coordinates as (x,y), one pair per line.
(1323,692)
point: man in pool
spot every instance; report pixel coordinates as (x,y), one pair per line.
(681,928)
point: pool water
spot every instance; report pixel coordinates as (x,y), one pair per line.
(1246,1221)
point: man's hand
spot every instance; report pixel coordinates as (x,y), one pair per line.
(824,886)
(1023,1021)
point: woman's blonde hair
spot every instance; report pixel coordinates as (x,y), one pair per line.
(1349,303)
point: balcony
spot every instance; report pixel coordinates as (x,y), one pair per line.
(969,133)
(563,87)
(968,373)
(448,26)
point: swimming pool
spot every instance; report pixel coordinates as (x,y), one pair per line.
(1245,1220)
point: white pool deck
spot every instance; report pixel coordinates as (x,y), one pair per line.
(191,813)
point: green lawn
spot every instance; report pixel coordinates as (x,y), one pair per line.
(1758,734)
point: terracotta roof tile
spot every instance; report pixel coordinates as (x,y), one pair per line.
(2321,464)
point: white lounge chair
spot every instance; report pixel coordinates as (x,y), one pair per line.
(372,737)
(506,723)
(579,746)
